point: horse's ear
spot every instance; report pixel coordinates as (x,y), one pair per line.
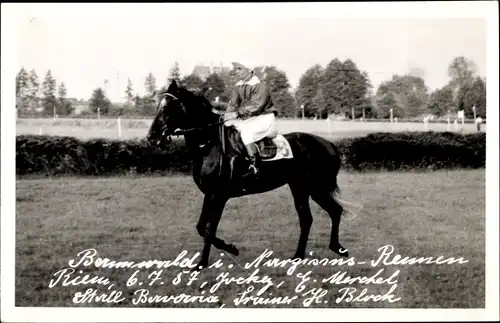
(173,87)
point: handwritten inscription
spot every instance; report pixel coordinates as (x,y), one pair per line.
(265,280)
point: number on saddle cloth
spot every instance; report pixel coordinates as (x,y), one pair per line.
(266,148)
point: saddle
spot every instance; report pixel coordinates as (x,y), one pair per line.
(266,148)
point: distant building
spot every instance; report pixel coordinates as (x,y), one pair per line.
(79,108)
(203,71)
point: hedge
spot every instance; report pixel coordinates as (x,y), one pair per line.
(54,155)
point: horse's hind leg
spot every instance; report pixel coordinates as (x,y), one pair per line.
(301,200)
(326,200)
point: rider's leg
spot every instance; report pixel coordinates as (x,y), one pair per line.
(252,152)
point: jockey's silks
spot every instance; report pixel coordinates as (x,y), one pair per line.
(251,98)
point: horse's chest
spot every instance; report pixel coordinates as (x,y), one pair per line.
(206,172)
(208,166)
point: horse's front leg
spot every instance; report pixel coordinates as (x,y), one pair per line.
(211,213)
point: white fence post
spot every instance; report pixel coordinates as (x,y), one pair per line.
(448,126)
(118,121)
(41,131)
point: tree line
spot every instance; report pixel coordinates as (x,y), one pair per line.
(31,95)
(340,88)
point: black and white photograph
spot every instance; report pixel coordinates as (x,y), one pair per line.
(237,162)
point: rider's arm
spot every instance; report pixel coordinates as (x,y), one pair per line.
(235,101)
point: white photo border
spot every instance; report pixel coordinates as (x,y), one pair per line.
(13,13)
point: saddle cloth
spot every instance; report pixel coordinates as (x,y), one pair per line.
(282,149)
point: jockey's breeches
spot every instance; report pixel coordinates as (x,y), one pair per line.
(255,128)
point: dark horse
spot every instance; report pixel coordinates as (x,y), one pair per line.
(219,163)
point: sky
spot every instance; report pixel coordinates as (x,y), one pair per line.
(86,44)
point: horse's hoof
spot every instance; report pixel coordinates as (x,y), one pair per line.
(339,250)
(233,250)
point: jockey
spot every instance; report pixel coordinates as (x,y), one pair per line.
(251,103)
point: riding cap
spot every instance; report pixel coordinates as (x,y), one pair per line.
(236,64)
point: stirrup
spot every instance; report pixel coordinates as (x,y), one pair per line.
(253,168)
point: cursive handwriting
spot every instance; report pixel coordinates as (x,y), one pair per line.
(142,296)
(91,295)
(244,298)
(386,252)
(262,260)
(68,279)
(256,283)
(88,258)
(253,278)
(341,277)
(349,296)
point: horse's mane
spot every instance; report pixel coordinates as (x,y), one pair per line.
(195,97)
(198,98)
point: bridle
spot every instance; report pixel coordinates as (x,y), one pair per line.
(178,132)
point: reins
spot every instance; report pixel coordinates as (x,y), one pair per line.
(178,132)
(183,131)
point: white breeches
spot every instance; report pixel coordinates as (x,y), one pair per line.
(255,128)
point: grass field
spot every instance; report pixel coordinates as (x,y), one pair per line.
(137,128)
(422,214)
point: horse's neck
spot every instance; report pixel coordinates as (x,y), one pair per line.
(206,134)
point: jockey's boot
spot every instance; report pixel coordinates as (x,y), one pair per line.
(252,158)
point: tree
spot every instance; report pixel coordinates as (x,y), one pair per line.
(473,94)
(49,101)
(192,82)
(33,89)
(461,71)
(332,86)
(150,84)
(99,100)
(409,93)
(64,106)
(385,101)
(318,105)
(174,73)
(479,91)
(62,91)
(148,101)
(278,84)
(22,89)
(441,101)
(229,82)
(129,92)
(309,86)
(344,87)
(214,86)
(357,88)
(22,83)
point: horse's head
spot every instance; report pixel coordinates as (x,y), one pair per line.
(170,115)
(179,109)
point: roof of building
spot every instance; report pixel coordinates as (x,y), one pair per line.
(203,71)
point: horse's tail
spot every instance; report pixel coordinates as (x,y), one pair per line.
(336,189)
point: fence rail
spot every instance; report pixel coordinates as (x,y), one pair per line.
(129,128)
